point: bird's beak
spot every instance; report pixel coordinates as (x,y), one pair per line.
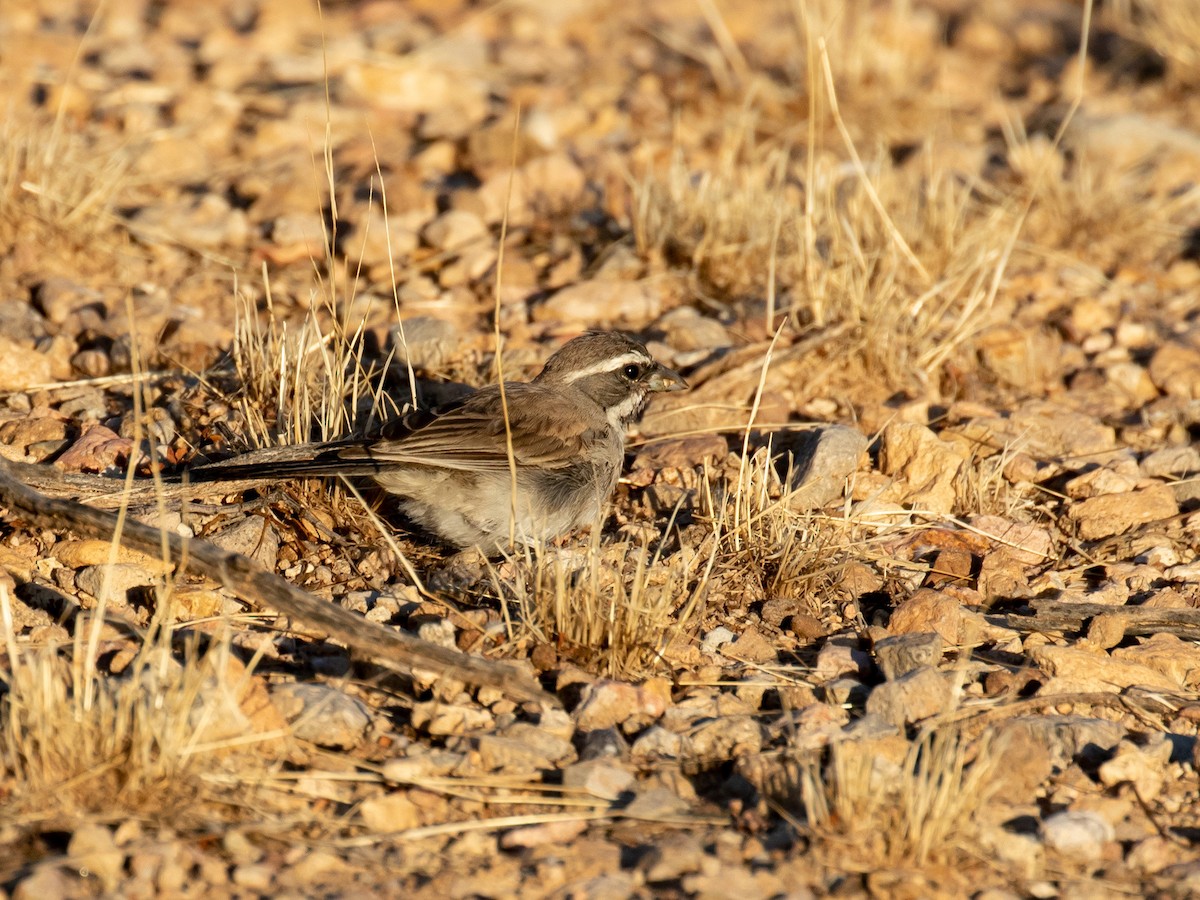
(664,379)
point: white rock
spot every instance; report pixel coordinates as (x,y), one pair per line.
(1078,834)
(717,638)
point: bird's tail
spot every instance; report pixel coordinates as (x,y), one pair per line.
(297,461)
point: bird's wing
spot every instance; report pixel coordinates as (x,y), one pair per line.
(549,431)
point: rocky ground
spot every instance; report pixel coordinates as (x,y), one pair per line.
(899,600)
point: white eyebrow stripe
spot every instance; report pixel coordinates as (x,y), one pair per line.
(609,365)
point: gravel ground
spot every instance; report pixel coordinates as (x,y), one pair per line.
(899,600)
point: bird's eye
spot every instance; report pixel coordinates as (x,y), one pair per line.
(632,371)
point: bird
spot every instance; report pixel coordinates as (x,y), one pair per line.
(524,464)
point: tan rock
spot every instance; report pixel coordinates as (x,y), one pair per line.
(1133,381)
(602,303)
(118,579)
(391,812)
(98,449)
(21,366)
(414,769)
(322,714)
(1179,660)
(916,695)
(557,833)
(900,654)
(25,433)
(204,221)
(1169,598)
(687,329)
(58,297)
(315,866)
(837,658)
(80,553)
(252,710)
(753,646)
(724,738)
(1172,461)
(1026,543)
(252,536)
(547,185)
(1121,141)
(1107,630)
(1001,576)
(1104,516)
(1080,668)
(1042,429)
(1020,356)
(303,234)
(603,778)
(608,703)
(677,854)
(1022,852)
(823,464)
(415,85)
(1154,854)
(455,230)
(384,243)
(929,611)
(1143,767)
(93,851)
(681,453)
(1103,480)
(656,744)
(1027,760)
(927,466)
(436,717)
(1175,368)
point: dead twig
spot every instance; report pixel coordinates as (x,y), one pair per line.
(1051,615)
(391,649)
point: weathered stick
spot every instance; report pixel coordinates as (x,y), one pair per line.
(394,650)
(1051,615)
(103,492)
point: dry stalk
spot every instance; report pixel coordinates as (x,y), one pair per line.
(80,742)
(923,810)
(623,605)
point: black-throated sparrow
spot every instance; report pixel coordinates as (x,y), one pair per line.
(451,466)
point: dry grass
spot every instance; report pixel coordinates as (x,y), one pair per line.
(906,259)
(881,54)
(802,228)
(768,541)
(83,743)
(314,382)
(1171,28)
(1090,208)
(309,382)
(57,177)
(615,607)
(923,809)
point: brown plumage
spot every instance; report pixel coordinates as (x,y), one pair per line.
(450,468)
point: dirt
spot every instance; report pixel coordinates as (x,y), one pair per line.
(898,600)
